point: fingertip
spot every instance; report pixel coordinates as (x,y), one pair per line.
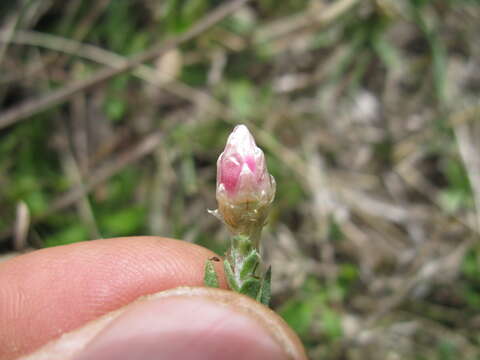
(184,323)
(55,290)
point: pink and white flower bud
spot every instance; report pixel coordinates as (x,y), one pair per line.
(245,189)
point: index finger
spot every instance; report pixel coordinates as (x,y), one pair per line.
(51,291)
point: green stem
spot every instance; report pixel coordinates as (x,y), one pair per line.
(242,269)
(241,247)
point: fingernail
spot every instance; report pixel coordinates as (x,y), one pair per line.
(189,324)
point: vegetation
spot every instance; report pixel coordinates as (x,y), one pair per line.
(367,110)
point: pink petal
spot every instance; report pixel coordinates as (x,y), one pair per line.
(230,168)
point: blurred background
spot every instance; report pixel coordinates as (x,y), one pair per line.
(368,112)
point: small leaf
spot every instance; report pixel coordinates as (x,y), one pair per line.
(264,294)
(251,287)
(232,283)
(210,278)
(250,265)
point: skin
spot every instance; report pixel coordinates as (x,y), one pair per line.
(76,288)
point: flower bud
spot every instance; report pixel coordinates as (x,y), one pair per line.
(245,189)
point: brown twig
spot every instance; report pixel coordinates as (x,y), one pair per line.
(110,59)
(298,22)
(34,106)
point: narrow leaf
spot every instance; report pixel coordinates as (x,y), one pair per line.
(210,278)
(251,287)
(232,283)
(264,294)
(250,265)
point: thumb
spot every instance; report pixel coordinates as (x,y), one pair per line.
(182,323)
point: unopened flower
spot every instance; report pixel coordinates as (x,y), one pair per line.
(245,189)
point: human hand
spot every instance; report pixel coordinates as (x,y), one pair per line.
(84,301)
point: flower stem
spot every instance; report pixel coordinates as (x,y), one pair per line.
(240,248)
(242,267)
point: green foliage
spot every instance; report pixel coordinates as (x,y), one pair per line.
(115,108)
(232,282)
(250,287)
(471,273)
(119,28)
(471,266)
(194,75)
(242,271)
(128,221)
(181,14)
(70,234)
(242,99)
(289,192)
(250,265)
(458,194)
(210,277)
(334,231)
(29,190)
(437,48)
(299,314)
(447,351)
(265,293)
(121,188)
(314,306)
(116,101)
(331,323)
(188,174)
